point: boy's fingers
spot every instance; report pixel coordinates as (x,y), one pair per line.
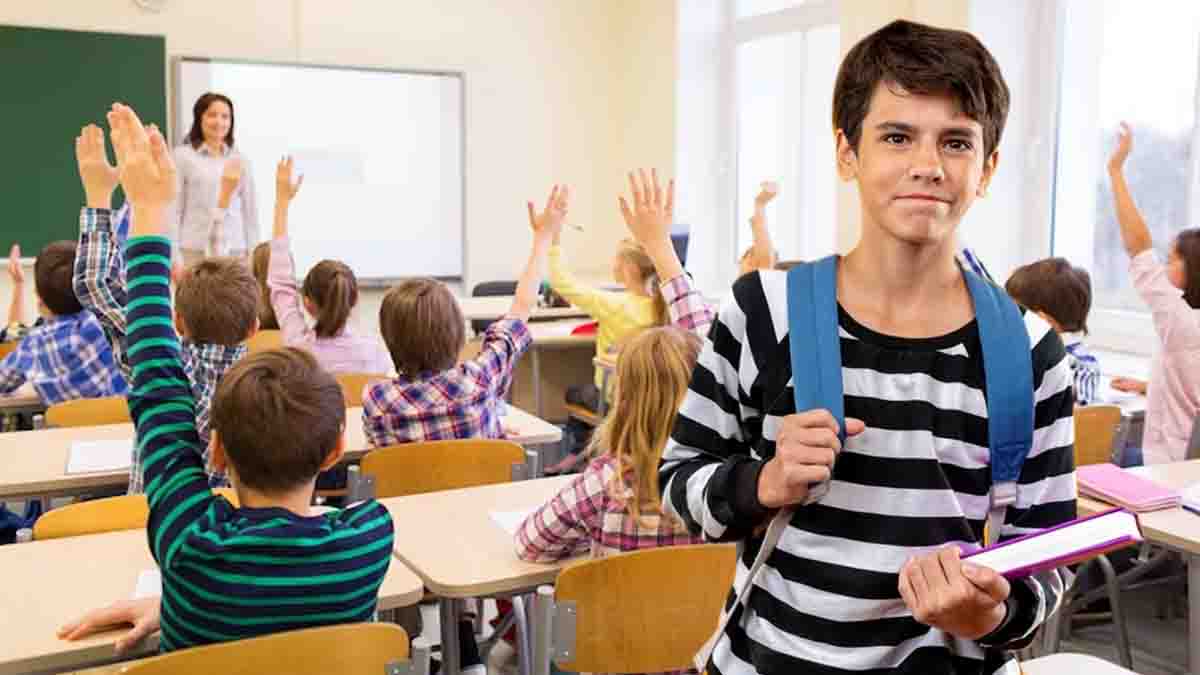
(647,192)
(625,212)
(670,206)
(635,189)
(658,193)
(532,215)
(855,426)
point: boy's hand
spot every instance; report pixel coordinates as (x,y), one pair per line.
(285,189)
(804,453)
(1129,385)
(98,176)
(146,168)
(1124,147)
(653,212)
(143,614)
(548,224)
(231,175)
(15,272)
(962,599)
(767,191)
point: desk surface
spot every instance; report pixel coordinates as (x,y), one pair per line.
(1175,528)
(51,582)
(35,461)
(450,540)
(558,334)
(494,307)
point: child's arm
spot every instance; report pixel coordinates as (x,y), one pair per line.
(231,174)
(1134,233)
(762,252)
(281,277)
(13,368)
(99,274)
(143,614)
(546,227)
(250,208)
(650,225)
(566,525)
(597,303)
(160,397)
(16,310)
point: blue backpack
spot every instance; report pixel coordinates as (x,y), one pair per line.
(816,356)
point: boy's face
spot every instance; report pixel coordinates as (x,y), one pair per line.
(919,166)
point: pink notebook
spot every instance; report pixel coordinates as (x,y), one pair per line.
(1066,544)
(1115,485)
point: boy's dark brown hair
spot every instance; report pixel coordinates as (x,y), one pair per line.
(920,59)
(1056,288)
(332,287)
(217,300)
(260,262)
(52,277)
(278,415)
(422,326)
(1187,245)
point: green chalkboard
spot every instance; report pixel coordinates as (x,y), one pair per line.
(52,83)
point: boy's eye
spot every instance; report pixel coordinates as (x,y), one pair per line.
(957,145)
(895,139)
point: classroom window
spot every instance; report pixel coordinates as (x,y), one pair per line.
(747,8)
(1136,62)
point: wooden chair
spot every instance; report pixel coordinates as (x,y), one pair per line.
(9,347)
(347,648)
(1095,430)
(416,468)
(640,612)
(353,384)
(126,512)
(264,340)
(89,412)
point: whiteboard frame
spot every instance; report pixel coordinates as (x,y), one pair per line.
(174,105)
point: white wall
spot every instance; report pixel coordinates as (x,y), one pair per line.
(556,91)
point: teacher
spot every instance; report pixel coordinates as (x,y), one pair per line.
(215,212)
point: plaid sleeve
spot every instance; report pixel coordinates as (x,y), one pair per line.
(686,305)
(14,366)
(99,278)
(96,374)
(503,343)
(568,523)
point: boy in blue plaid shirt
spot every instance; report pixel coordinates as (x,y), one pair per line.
(67,356)
(216,300)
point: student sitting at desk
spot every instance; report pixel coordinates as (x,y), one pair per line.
(1172,291)
(216,303)
(434,397)
(67,356)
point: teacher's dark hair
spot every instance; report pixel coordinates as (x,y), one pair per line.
(196,134)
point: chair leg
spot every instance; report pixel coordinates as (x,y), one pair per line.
(524,638)
(1118,617)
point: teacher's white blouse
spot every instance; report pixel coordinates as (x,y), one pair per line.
(191,216)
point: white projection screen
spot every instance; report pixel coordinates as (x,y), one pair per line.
(381,152)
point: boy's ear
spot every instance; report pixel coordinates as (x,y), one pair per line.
(217,459)
(180,326)
(253,329)
(847,158)
(989,170)
(335,455)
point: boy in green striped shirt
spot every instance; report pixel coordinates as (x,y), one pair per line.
(269,565)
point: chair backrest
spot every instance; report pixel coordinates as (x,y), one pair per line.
(353,384)
(7,348)
(264,340)
(487,289)
(431,466)
(646,611)
(345,648)
(1193,448)
(88,412)
(126,512)
(1095,430)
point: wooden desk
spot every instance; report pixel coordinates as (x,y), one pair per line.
(571,365)
(493,307)
(35,461)
(51,582)
(1175,529)
(450,541)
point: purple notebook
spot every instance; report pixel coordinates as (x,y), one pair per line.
(1126,489)
(1067,544)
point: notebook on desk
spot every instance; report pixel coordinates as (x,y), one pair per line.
(1067,544)
(1111,483)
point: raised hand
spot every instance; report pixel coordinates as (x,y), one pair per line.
(98,176)
(15,272)
(649,219)
(146,169)
(1124,147)
(285,189)
(768,190)
(549,222)
(231,175)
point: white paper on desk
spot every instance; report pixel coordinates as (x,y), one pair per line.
(99,456)
(509,521)
(149,584)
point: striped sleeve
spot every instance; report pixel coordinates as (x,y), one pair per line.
(161,403)
(710,452)
(1046,489)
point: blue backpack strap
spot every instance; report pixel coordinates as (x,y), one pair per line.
(1008,367)
(814,343)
